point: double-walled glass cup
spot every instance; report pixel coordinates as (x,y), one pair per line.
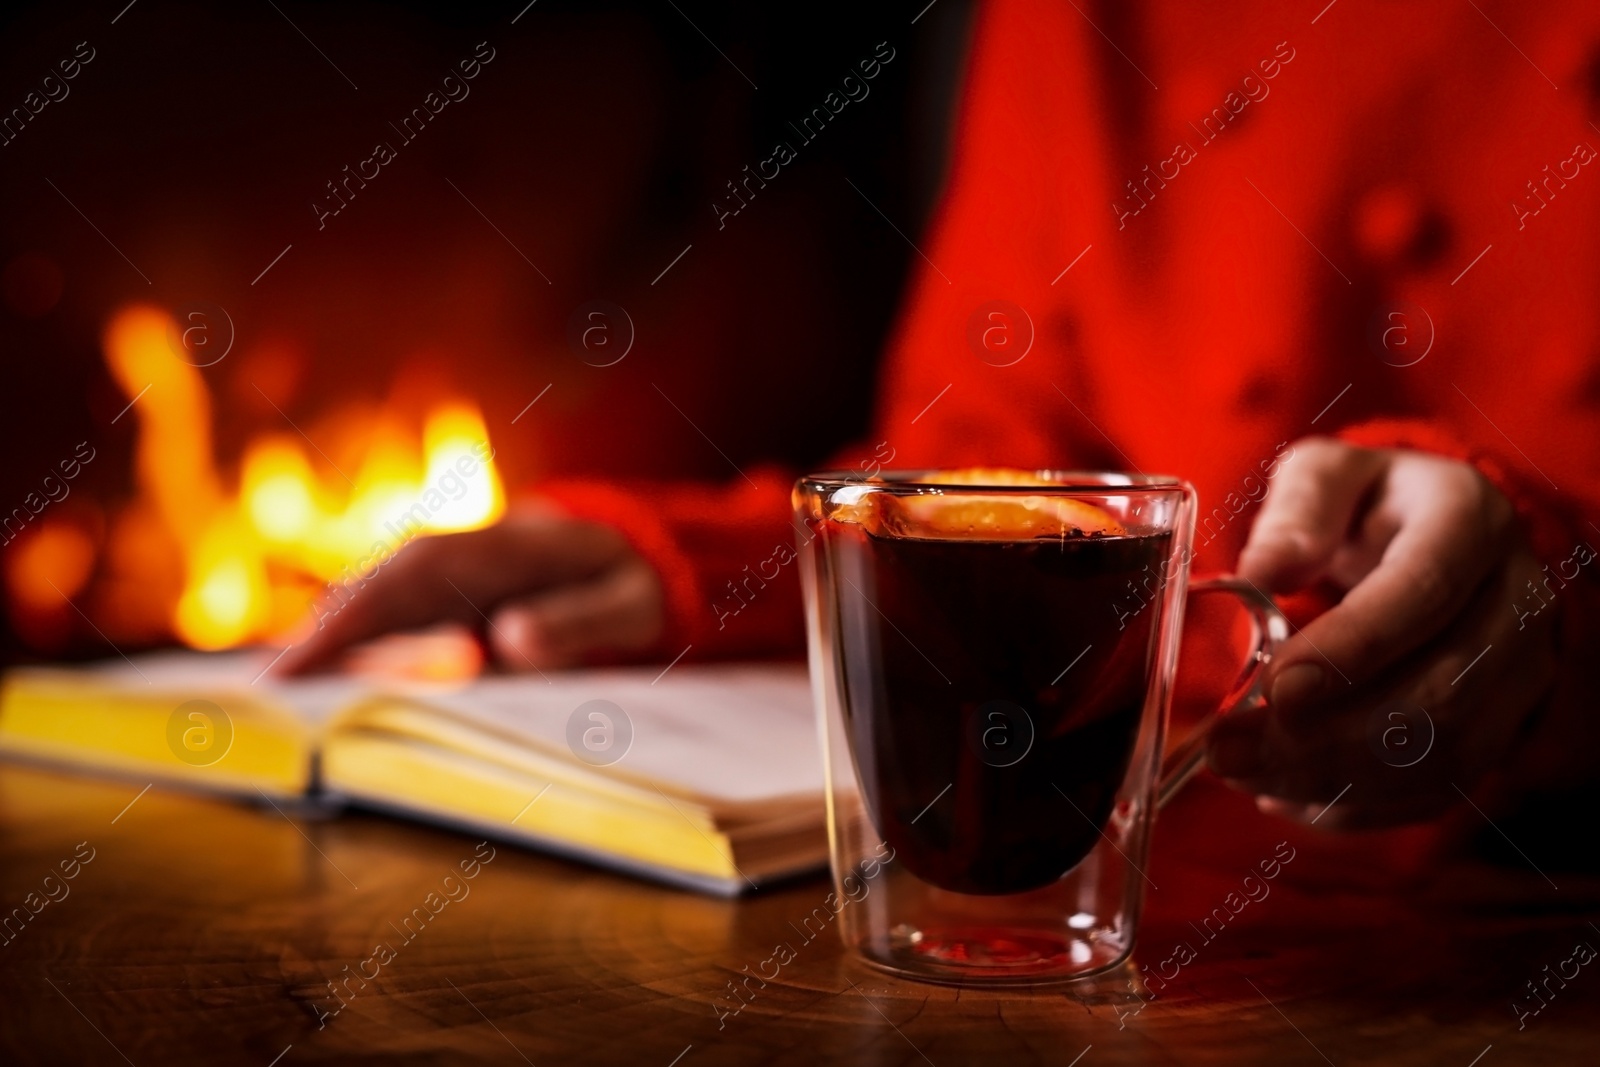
(992,656)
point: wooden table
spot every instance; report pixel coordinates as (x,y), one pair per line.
(206,931)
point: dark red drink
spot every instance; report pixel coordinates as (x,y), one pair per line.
(989,742)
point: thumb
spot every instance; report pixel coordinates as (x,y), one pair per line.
(1308,512)
(620,610)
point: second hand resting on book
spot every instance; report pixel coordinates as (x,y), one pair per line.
(548,591)
(1424,551)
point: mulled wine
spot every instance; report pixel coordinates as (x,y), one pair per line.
(994,691)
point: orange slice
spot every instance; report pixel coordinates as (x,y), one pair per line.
(978,516)
(987,476)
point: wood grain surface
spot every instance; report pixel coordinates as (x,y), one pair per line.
(206,931)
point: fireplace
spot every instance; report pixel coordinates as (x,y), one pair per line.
(215,554)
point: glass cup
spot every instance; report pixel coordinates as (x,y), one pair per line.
(992,656)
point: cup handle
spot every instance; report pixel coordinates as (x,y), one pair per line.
(1272,628)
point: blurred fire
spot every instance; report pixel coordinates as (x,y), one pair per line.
(47,567)
(252,551)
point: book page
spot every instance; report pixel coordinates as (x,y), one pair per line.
(187,675)
(733,732)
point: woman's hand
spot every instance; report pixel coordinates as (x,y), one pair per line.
(1422,677)
(547,590)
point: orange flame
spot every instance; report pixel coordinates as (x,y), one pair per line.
(252,557)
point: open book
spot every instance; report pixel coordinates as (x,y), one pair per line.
(705,776)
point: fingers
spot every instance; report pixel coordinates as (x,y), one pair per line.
(1404,747)
(401,593)
(1389,704)
(1346,812)
(1452,529)
(620,610)
(455,577)
(1308,512)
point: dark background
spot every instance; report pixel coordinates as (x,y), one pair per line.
(596,141)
